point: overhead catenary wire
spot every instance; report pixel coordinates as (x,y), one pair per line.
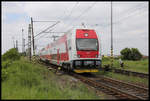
(44,21)
(44,31)
(132,9)
(42,35)
(69,15)
(136,8)
(131,14)
(85,11)
(72,10)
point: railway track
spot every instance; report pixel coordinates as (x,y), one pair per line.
(119,89)
(127,72)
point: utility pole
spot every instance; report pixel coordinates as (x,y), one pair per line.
(17,45)
(24,45)
(29,42)
(111,36)
(32,36)
(13,41)
(22,41)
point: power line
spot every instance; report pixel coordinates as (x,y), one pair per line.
(85,11)
(72,9)
(46,29)
(44,21)
(54,32)
(129,15)
(70,12)
(42,36)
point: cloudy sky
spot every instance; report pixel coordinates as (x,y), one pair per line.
(130,22)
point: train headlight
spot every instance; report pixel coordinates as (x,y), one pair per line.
(98,63)
(77,63)
(75,55)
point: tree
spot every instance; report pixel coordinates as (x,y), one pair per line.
(135,54)
(126,54)
(131,54)
(11,54)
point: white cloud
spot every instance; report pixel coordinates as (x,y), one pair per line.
(130,31)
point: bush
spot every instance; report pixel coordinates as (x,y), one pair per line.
(11,54)
(6,63)
(7,59)
(23,54)
(4,74)
(131,54)
(106,58)
(135,54)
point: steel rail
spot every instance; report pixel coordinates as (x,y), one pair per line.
(129,87)
(127,72)
(109,88)
(114,87)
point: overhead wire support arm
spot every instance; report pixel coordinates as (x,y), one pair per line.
(47,29)
(44,30)
(44,21)
(54,32)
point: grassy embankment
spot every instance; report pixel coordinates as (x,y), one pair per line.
(138,66)
(25,80)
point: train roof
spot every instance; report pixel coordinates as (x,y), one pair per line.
(82,27)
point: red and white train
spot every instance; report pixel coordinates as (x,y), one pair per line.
(78,50)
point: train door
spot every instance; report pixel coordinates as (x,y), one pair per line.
(69,48)
(58,56)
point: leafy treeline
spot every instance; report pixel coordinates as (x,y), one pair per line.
(11,54)
(7,59)
(130,54)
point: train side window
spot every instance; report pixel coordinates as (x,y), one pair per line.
(69,48)
(69,42)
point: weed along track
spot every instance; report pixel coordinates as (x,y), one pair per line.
(127,72)
(116,88)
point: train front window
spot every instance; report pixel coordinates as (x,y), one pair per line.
(87,44)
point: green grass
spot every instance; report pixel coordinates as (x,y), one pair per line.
(137,66)
(34,81)
(125,78)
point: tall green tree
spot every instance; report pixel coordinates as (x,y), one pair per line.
(135,54)
(11,54)
(126,54)
(130,54)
